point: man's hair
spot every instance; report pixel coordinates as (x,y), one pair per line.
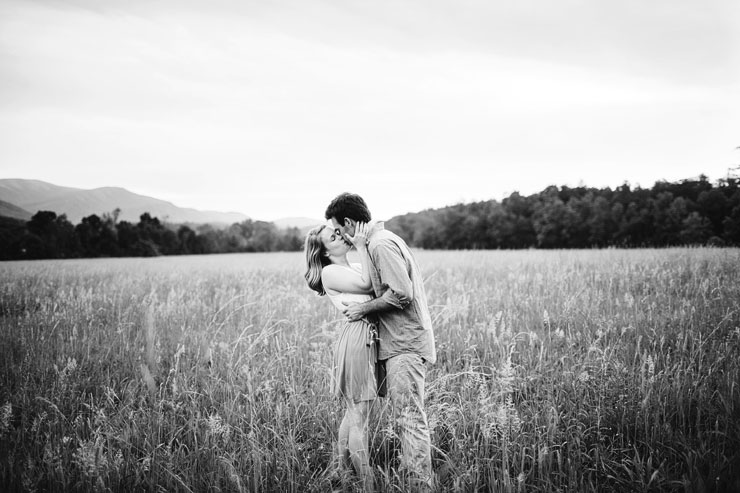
(348,205)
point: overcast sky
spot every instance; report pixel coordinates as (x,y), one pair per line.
(271,108)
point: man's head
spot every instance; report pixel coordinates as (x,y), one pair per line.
(345,211)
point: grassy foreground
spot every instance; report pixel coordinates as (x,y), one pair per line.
(605,370)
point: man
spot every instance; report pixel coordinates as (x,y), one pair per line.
(404,327)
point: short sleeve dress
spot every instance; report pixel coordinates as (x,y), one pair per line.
(355,372)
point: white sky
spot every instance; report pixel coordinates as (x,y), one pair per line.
(271,108)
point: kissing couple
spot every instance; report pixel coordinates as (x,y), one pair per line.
(385,341)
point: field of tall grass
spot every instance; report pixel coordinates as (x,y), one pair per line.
(604,370)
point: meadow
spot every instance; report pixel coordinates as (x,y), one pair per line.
(595,370)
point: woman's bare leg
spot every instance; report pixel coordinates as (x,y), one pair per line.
(343,455)
(359,452)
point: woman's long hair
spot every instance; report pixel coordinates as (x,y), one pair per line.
(316,259)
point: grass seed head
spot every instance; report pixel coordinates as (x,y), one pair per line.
(6,412)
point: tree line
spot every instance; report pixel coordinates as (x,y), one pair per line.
(48,235)
(688,212)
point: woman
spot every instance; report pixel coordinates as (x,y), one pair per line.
(354,370)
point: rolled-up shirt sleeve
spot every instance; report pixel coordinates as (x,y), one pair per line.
(396,287)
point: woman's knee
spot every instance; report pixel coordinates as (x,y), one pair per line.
(358,414)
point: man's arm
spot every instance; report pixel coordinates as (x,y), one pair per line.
(355,311)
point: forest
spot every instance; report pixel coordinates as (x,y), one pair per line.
(687,212)
(48,235)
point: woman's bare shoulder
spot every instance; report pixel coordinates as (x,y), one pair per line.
(332,270)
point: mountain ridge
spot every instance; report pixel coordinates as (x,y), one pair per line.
(11,210)
(21,198)
(76,203)
(297,222)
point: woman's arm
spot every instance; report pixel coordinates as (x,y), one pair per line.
(337,278)
(342,280)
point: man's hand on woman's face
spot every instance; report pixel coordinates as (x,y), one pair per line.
(359,240)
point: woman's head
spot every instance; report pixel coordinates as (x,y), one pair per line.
(322,246)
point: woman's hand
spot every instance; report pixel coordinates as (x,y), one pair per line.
(359,240)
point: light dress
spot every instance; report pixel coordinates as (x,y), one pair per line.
(354,372)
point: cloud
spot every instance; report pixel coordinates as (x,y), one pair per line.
(429,101)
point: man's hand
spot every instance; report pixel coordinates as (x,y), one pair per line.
(354,311)
(359,240)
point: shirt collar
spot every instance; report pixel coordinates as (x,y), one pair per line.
(374,227)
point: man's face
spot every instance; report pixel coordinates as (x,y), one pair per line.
(346,230)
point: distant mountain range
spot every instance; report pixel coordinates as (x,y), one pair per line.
(302,223)
(21,199)
(9,210)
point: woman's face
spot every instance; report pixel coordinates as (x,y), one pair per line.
(334,243)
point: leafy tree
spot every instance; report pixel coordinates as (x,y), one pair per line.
(636,227)
(154,237)
(712,204)
(12,232)
(494,226)
(264,237)
(291,240)
(98,237)
(553,221)
(731,226)
(601,225)
(128,236)
(519,230)
(673,219)
(187,241)
(580,210)
(49,236)
(697,229)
